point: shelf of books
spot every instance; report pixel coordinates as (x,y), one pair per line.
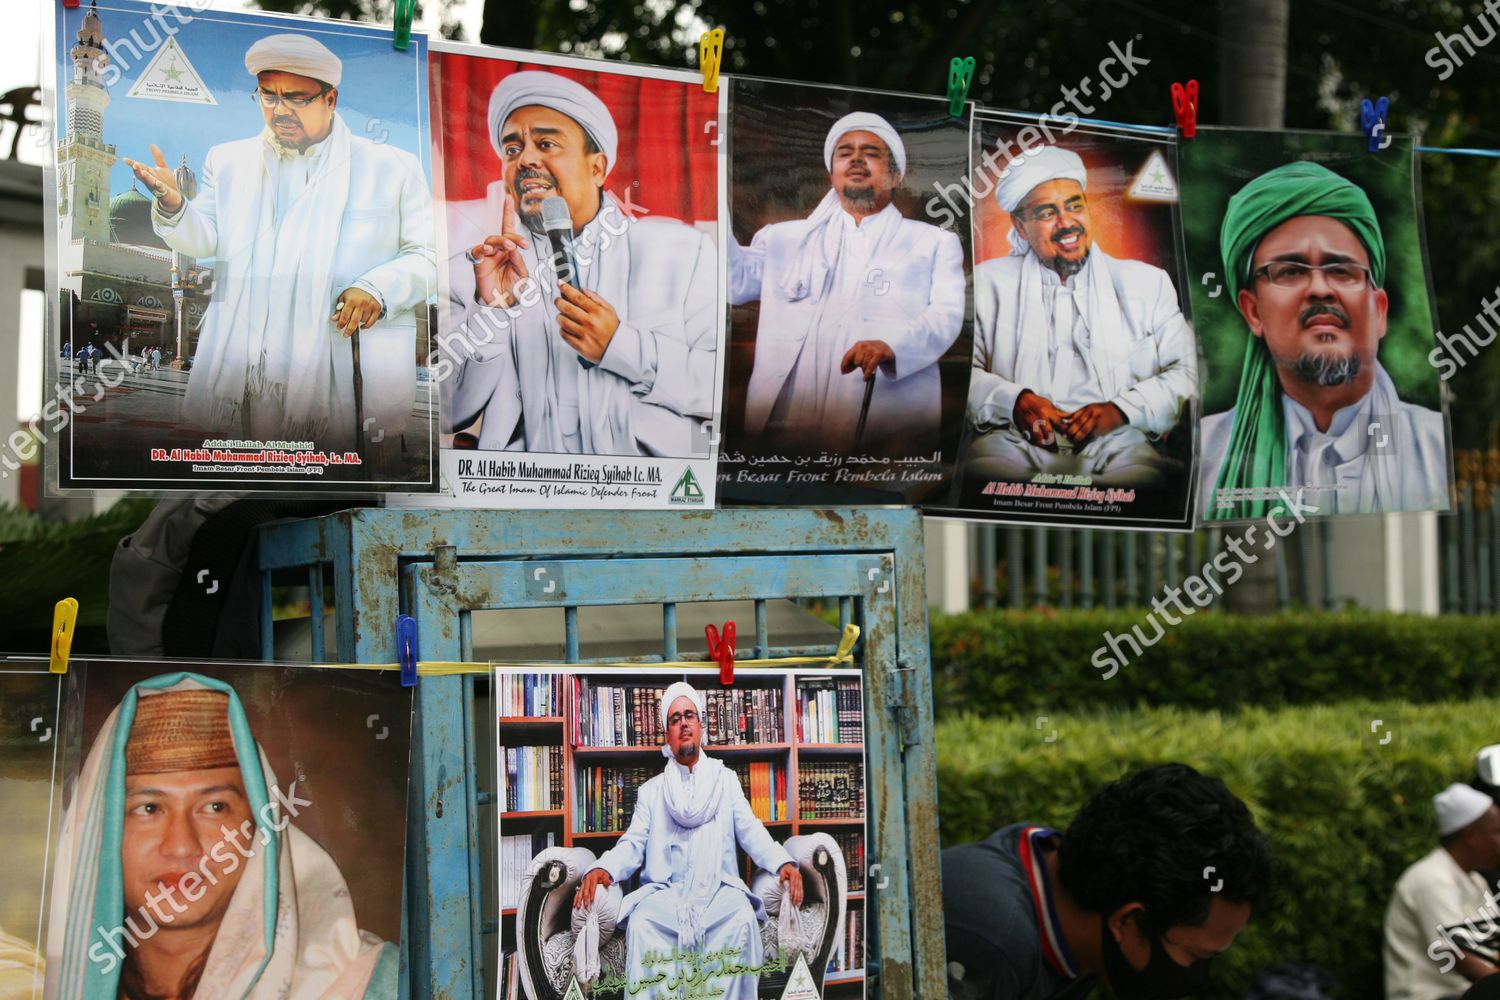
(576,747)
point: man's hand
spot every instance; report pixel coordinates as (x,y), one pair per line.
(588,323)
(1092,421)
(1037,419)
(356,309)
(595,879)
(868,355)
(498,264)
(791,877)
(160,180)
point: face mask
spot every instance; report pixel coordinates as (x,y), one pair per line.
(1161,979)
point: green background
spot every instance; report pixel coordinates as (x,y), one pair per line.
(1218,162)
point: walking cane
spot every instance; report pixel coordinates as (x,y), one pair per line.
(359,396)
(864,410)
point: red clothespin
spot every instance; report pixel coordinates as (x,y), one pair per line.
(722,651)
(70,4)
(1185,107)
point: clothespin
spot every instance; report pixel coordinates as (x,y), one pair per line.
(960,75)
(70,4)
(406,649)
(64,621)
(403,13)
(722,650)
(846,642)
(1185,107)
(710,54)
(1372,119)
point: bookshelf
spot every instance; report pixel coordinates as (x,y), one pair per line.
(796,738)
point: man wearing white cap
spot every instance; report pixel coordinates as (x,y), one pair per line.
(1081,360)
(1442,926)
(618,359)
(853,292)
(316,233)
(692,900)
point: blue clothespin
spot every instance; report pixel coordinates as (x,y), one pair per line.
(406,649)
(960,75)
(402,14)
(1372,118)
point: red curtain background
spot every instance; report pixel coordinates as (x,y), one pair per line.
(666,162)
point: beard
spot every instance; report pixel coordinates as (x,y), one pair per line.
(862,198)
(1064,266)
(531,218)
(1325,369)
(688,751)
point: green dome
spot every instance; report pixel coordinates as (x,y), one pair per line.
(130,220)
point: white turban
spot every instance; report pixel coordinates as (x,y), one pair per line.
(680,689)
(1050,163)
(535,88)
(299,54)
(863,121)
(1459,805)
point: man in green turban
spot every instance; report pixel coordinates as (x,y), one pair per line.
(1316,412)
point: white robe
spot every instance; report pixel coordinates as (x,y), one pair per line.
(1380,454)
(1127,343)
(647,912)
(287,237)
(889,278)
(653,389)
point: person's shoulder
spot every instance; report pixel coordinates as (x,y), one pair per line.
(999,269)
(1135,271)
(1428,422)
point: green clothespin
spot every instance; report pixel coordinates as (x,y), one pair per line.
(960,75)
(404,11)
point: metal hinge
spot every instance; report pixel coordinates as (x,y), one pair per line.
(901,701)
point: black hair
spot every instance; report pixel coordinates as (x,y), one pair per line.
(1165,837)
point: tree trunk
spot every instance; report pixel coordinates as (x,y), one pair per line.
(1252,92)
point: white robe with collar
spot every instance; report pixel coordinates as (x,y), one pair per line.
(1386,455)
(906,287)
(1140,352)
(653,390)
(365,220)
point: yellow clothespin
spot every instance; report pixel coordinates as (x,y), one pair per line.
(64,620)
(846,643)
(710,53)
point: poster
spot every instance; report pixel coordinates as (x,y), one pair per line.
(1084,381)
(30,734)
(778,765)
(241,287)
(1311,302)
(848,281)
(579,344)
(240,825)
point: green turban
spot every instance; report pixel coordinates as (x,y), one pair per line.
(1257,448)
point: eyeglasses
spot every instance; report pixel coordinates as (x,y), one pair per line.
(677,718)
(1047,213)
(1342,275)
(269,99)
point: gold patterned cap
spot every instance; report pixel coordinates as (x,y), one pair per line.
(180,731)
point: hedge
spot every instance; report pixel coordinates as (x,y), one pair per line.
(1003,662)
(1344,813)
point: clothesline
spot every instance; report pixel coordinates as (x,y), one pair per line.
(1171,130)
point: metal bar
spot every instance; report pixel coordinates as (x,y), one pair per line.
(846,612)
(1086,585)
(570,632)
(1283,586)
(1466,545)
(267,626)
(1108,539)
(762,629)
(1065,567)
(1039,567)
(1305,578)
(1015,568)
(1132,596)
(987,565)
(1449,527)
(1150,574)
(1174,560)
(315,611)
(668,631)
(1325,562)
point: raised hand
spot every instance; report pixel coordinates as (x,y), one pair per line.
(498,263)
(160,180)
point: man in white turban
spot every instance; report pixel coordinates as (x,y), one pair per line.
(692,900)
(315,233)
(853,292)
(1082,361)
(1442,928)
(617,359)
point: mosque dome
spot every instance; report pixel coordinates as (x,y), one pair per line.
(130,220)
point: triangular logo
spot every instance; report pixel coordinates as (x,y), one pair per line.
(1154,182)
(800,985)
(170,77)
(574,991)
(687,489)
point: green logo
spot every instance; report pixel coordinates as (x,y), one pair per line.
(687,489)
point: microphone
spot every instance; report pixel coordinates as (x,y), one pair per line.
(557,220)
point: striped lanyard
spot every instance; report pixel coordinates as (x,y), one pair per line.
(1054,945)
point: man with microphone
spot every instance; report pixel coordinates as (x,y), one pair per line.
(574,329)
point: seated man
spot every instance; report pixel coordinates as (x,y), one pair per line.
(207,882)
(1440,910)
(692,900)
(1153,879)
